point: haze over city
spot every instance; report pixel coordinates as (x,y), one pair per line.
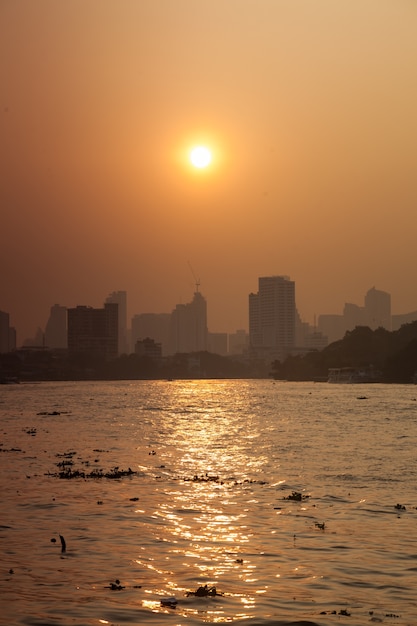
(307,109)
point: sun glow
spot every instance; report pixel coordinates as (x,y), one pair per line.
(200,157)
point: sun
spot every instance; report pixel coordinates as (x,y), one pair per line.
(200,157)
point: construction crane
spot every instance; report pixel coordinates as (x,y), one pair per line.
(197,280)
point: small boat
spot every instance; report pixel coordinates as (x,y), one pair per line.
(353,375)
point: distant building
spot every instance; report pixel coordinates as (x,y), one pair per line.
(149,348)
(378,309)
(217,343)
(188,331)
(238,342)
(94,331)
(156,326)
(12,339)
(120,298)
(38,341)
(4,332)
(375,313)
(332,326)
(307,337)
(353,316)
(272,317)
(56,328)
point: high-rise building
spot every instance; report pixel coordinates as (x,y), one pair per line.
(272,314)
(378,309)
(120,298)
(189,326)
(156,326)
(56,328)
(94,331)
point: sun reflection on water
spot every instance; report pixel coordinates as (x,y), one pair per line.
(200,522)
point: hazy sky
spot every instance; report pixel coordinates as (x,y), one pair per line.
(309,106)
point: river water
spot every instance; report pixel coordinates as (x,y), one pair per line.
(295,503)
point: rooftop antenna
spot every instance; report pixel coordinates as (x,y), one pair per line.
(197,280)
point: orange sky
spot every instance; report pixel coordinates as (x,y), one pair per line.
(310,107)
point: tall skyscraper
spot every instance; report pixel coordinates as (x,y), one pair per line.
(378,309)
(189,325)
(120,298)
(272,314)
(94,331)
(56,328)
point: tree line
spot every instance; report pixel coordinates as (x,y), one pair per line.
(393,354)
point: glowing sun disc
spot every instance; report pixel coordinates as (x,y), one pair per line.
(200,156)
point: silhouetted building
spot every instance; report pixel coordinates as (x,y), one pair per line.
(375,313)
(120,298)
(217,343)
(307,337)
(38,341)
(378,309)
(238,342)
(189,326)
(4,332)
(332,326)
(149,348)
(94,331)
(272,316)
(153,325)
(12,339)
(56,328)
(353,316)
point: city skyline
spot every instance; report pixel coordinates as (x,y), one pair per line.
(309,113)
(328,327)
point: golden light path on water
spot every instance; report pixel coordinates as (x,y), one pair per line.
(200,518)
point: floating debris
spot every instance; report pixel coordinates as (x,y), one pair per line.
(63,544)
(296,496)
(210,478)
(66,455)
(203,592)
(341,612)
(67,473)
(170,603)
(320,526)
(400,507)
(116,586)
(206,478)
